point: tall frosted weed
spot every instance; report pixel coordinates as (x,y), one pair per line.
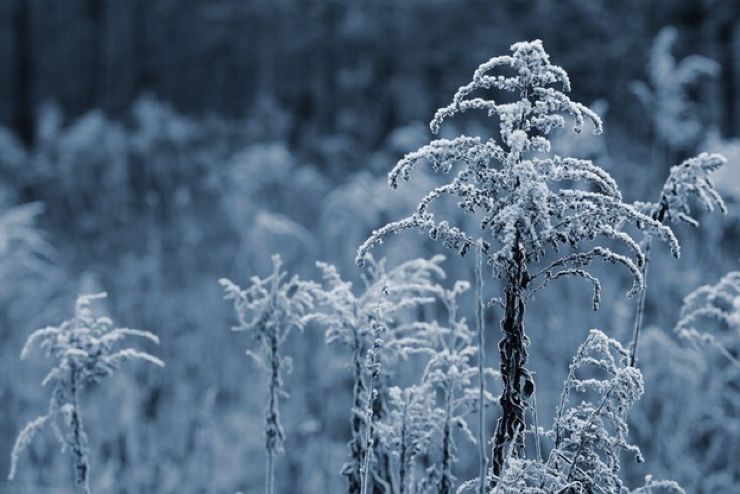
(527,207)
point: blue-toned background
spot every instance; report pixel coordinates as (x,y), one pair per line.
(150,147)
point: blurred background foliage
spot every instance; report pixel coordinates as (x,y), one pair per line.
(149,148)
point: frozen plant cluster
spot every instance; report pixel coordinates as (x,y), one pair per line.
(424,417)
(350,319)
(420,392)
(589,437)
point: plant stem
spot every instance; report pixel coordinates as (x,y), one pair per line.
(483,465)
(269,475)
(271,416)
(372,364)
(79,446)
(445,483)
(402,469)
(368,436)
(273,430)
(535,418)
(355,445)
(513,356)
(640,305)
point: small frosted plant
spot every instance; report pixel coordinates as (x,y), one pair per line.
(270,309)
(690,179)
(347,318)
(526,205)
(589,436)
(85,350)
(452,371)
(717,305)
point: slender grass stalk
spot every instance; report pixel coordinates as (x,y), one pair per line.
(445,483)
(691,177)
(272,417)
(640,304)
(404,451)
(80,449)
(368,438)
(536,420)
(373,365)
(482,458)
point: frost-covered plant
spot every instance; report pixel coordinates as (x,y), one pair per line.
(347,318)
(690,179)
(526,206)
(452,370)
(666,97)
(719,303)
(85,351)
(652,486)
(590,436)
(704,377)
(270,309)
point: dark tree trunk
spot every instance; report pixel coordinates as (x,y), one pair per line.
(517,382)
(143,79)
(22,91)
(95,13)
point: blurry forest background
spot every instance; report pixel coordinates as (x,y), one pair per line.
(150,147)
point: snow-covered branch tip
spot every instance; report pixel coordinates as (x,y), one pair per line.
(715,306)
(689,179)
